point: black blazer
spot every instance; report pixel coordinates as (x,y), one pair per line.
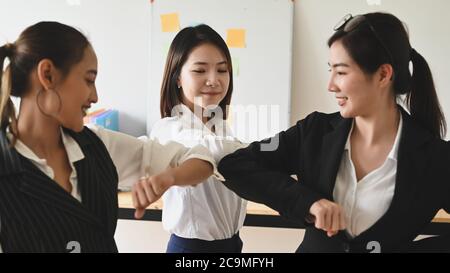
(312,150)
(37,215)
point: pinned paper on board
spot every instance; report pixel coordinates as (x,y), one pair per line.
(170,22)
(236,38)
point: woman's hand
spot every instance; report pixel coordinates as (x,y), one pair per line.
(149,189)
(328,216)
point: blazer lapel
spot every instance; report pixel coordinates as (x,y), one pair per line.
(38,185)
(32,182)
(91,184)
(411,166)
(90,188)
(331,153)
(412,163)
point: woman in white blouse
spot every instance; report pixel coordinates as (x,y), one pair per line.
(204,217)
(372,176)
(59,179)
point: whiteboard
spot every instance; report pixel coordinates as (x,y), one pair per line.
(260,106)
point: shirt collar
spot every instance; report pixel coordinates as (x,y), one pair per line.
(73,150)
(191,121)
(393,154)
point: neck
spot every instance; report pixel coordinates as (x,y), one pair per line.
(197,111)
(40,133)
(379,126)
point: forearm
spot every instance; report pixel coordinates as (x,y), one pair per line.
(150,189)
(191,172)
(250,179)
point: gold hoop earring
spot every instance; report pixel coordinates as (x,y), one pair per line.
(39,106)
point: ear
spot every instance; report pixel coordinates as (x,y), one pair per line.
(386,73)
(46,72)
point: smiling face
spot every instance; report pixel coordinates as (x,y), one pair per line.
(204,74)
(77,91)
(356,92)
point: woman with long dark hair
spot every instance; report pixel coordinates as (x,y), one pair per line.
(195,95)
(59,179)
(373,174)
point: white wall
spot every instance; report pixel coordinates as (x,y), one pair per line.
(149,236)
(428,23)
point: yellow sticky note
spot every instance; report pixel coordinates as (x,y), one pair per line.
(170,22)
(236,38)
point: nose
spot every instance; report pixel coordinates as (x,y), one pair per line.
(332,86)
(94,96)
(213,79)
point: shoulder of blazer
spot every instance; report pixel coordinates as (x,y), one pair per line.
(322,123)
(83,138)
(10,159)
(87,139)
(414,134)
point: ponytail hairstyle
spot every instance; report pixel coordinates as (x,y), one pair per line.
(7,111)
(62,44)
(182,45)
(381,38)
(423,101)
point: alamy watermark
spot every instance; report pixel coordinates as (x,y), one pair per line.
(245,122)
(74,247)
(374,247)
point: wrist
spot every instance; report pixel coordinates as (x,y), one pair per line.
(171,174)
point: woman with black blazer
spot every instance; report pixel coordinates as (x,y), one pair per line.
(59,179)
(372,176)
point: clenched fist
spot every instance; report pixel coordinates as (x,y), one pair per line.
(149,189)
(328,216)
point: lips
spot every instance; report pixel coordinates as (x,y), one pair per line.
(85,109)
(341,100)
(210,93)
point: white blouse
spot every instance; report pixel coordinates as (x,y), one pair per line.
(132,157)
(209,210)
(366,201)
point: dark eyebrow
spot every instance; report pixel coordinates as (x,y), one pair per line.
(204,63)
(339,64)
(200,63)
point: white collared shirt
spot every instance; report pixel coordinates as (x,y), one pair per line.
(209,210)
(132,157)
(74,154)
(366,201)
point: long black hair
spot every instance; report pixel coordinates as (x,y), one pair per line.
(62,44)
(390,44)
(182,45)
